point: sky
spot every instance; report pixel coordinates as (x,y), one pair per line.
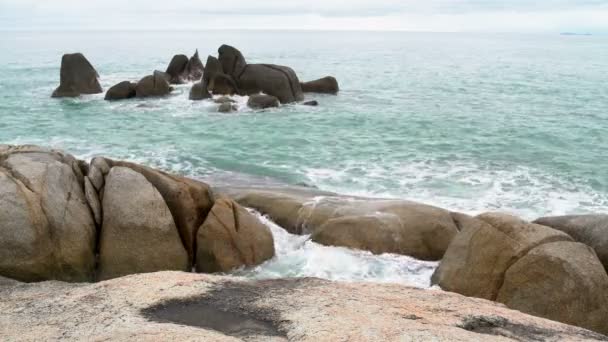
(402,15)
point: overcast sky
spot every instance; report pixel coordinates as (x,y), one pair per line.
(410,15)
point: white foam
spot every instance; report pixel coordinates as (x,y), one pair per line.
(298,256)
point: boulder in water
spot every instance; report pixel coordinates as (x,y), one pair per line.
(122,90)
(222,84)
(153,85)
(325,85)
(312,103)
(279,81)
(227,107)
(591,230)
(231,237)
(177,68)
(260,101)
(77,77)
(213,67)
(199,92)
(231,60)
(194,69)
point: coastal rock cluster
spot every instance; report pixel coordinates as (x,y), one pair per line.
(269,85)
(65,219)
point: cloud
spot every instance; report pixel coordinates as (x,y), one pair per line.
(417,15)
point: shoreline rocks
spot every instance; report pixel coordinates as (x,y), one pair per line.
(153,86)
(77,76)
(325,85)
(121,91)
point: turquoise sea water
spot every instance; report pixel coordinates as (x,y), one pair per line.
(469,122)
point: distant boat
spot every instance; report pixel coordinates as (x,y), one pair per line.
(575,34)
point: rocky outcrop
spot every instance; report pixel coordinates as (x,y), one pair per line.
(48,230)
(138,234)
(222,84)
(213,68)
(591,230)
(77,77)
(199,92)
(230,238)
(170,306)
(194,69)
(503,258)
(232,61)
(325,85)
(153,85)
(121,91)
(276,80)
(261,101)
(379,226)
(227,107)
(177,69)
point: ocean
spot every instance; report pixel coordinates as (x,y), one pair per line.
(468,122)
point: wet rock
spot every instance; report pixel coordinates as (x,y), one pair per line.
(276,80)
(194,69)
(325,85)
(232,61)
(227,107)
(77,77)
(230,238)
(177,69)
(222,84)
(591,230)
(313,103)
(153,85)
(261,101)
(199,92)
(138,234)
(213,67)
(121,91)
(224,99)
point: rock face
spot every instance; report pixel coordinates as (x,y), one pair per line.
(591,230)
(232,61)
(77,77)
(222,84)
(276,80)
(138,233)
(177,69)
(325,85)
(195,68)
(121,91)
(199,92)
(47,230)
(379,226)
(230,238)
(139,308)
(153,85)
(500,257)
(262,101)
(213,68)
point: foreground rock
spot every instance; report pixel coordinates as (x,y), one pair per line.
(230,238)
(138,233)
(379,226)
(47,231)
(181,306)
(199,92)
(121,91)
(77,77)
(591,230)
(153,85)
(503,258)
(262,101)
(325,85)
(177,68)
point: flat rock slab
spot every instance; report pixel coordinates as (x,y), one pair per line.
(181,306)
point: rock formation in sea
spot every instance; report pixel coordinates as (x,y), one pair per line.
(153,86)
(179,306)
(77,76)
(325,85)
(121,91)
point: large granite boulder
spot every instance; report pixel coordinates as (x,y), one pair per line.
(591,230)
(199,92)
(153,85)
(275,80)
(379,226)
(177,69)
(222,84)
(501,257)
(121,91)
(138,234)
(48,230)
(261,101)
(232,61)
(188,200)
(213,67)
(325,85)
(231,237)
(77,77)
(194,69)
